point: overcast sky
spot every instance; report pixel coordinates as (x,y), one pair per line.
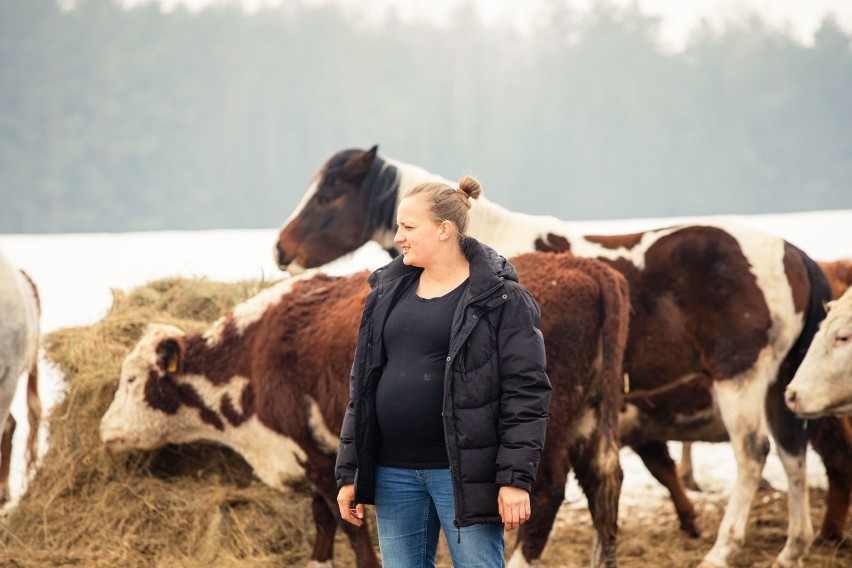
(679,18)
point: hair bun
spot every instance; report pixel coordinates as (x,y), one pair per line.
(470,187)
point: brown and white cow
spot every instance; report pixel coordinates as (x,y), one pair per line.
(19,339)
(831,436)
(823,387)
(721,318)
(270,380)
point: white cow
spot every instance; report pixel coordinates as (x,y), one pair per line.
(823,384)
(19,333)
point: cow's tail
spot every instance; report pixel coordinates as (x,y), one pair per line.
(788,430)
(615,294)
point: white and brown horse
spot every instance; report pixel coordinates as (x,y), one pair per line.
(722,316)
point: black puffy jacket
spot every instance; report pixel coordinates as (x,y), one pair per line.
(496,391)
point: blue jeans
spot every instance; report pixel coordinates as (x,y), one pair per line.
(412,506)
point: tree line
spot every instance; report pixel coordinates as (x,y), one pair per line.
(114,119)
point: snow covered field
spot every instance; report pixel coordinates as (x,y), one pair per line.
(75,273)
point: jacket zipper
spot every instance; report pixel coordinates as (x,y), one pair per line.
(456,329)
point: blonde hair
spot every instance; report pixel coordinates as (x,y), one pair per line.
(447,203)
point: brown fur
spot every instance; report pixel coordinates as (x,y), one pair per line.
(584,322)
(616,241)
(839,274)
(554,243)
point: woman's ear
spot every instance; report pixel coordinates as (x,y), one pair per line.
(447,230)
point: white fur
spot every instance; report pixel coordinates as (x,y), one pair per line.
(586,425)
(253,309)
(309,194)
(628,421)
(518,561)
(19,331)
(320,432)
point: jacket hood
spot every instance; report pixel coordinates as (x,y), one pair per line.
(487,268)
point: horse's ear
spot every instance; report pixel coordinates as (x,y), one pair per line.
(358,164)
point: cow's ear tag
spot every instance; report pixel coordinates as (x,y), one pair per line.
(171,366)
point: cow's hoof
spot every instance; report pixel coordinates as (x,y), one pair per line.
(689,528)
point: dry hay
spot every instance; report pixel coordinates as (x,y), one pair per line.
(199,505)
(196,505)
(649,535)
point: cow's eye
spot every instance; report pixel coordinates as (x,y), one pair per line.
(841,338)
(131,380)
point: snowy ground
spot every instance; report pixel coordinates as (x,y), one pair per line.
(75,273)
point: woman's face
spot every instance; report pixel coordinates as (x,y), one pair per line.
(419,237)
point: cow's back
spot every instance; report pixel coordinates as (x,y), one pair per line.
(308,341)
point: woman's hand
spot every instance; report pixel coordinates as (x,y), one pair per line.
(514,505)
(349,511)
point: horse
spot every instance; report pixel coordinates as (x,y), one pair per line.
(722,315)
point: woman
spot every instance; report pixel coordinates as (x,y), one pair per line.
(448,391)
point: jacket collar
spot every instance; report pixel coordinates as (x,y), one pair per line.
(487,268)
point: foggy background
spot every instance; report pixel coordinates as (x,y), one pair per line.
(147,116)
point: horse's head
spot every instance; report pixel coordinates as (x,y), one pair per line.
(340,211)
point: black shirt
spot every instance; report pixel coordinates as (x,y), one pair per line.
(410,393)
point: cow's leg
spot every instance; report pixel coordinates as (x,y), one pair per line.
(839,489)
(598,471)
(687,474)
(832,440)
(655,456)
(6,456)
(741,403)
(34,411)
(359,538)
(548,494)
(319,469)
(800,531)
(326,525)
(791,442)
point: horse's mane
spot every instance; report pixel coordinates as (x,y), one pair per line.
(380,189)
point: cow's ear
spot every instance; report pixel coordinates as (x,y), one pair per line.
(359,163)
(170,355)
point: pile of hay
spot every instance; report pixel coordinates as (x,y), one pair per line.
(196,505)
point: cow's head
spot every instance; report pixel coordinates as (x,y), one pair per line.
(823,384)
(145,410)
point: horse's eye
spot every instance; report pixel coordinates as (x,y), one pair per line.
(323,199)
